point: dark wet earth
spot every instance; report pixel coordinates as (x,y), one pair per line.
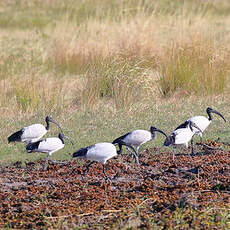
(58,198)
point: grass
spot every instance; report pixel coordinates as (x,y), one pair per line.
(187,64)
(106,123)
(209,217)
(103,68)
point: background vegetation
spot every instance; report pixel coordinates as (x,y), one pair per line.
(105,67)
(59,55)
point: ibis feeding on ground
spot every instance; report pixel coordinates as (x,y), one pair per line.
(203,122)
(33,132)
(100,152)
(48,145)
(138,137)
(181,135)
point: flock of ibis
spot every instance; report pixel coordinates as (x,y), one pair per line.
(101,152)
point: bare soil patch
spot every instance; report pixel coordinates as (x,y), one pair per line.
(138,196)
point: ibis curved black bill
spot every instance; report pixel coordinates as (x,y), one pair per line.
(62,136)
(210,110)
(68,138)
(154,129)
(55,122)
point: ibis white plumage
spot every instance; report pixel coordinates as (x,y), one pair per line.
(100,152)
(181,135)
(33,132)
(203,122)
(48,145)
(138,137)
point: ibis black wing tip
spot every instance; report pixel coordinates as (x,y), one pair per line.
(117,140)
(82,152)
(120,139)
(15,136)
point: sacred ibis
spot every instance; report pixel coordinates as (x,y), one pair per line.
(138,137)
(33,132)
(181,135)
(48,145)
(100,152)
(203,122)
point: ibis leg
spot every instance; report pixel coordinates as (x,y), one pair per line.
(201,140)
(129,150)
(86,170)
(174,150)
(192,144)
(191,155)
(135,154)
(106,177)
(60,162)
(46,162)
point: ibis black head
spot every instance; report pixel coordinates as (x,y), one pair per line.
(50,119)
(170,140)
(62,136)
(154,129)
(210,110)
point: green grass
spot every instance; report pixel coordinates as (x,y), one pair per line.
(102,77)
(209,217)
(106,123)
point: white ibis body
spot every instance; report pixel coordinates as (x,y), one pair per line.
(203,122)
(48,145)
(33,132)
(100,152)
(138,137)
(181,135)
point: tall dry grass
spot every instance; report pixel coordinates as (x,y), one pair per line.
(118,80)
(122,52)
(197,67)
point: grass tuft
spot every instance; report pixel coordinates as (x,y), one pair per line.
(198,67)
(114,79)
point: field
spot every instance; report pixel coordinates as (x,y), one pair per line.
(103,68)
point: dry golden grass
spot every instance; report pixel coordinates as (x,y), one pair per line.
(128,52)
(198,67)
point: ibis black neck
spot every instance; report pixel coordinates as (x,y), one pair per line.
(47,125)
(60,136)
(120,148)
(153,135)
(209,115)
